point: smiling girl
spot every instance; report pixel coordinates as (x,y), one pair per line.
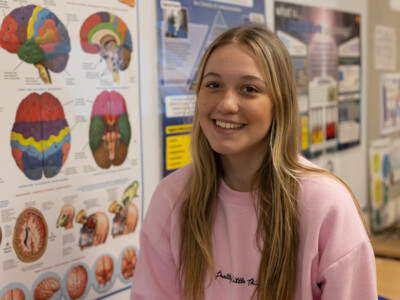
(250,218)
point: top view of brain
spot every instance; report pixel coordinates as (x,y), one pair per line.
(106,34)
(38,37)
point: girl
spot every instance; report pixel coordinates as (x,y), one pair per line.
(250,218)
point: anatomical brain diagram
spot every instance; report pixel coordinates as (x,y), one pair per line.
(110,130)
(128,263)
(104,270)
(126,212)
(46,288)
(94,230)
(40,137)
(66,216)
(30,235)
(106,34)
(76,282)
(14,294)
(38,37)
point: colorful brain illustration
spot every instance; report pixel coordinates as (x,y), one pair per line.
(40,137)
(38,37)
(110,130)
(108,35)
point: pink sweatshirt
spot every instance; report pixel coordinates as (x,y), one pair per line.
(336,260)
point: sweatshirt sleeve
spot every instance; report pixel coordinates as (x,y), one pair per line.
(336,257)
(155,273)
(351,277)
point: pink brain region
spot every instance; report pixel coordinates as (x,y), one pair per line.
(108,35)
(38,37)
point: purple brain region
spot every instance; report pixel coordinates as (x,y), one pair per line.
(40,137)
(38,37)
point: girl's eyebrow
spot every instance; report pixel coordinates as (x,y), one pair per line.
(211,74)
(251,77)
(248,77)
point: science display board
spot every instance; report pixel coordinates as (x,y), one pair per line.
(384,184)
(325,46)
(185,29)
(71,172)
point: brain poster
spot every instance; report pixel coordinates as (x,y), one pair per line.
(71,184)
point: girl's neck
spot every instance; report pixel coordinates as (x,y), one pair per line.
(238,173)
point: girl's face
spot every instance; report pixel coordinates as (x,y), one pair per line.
(234,107)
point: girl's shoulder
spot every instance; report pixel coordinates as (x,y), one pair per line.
(316,182)
(171,187)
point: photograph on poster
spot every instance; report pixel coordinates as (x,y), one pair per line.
(176,23)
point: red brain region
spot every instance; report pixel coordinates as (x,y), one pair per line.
(76,282)
(38,37)
(110,130)
(40,137)
(30,235)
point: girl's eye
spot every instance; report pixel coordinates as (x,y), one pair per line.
(212,85)
(250,89)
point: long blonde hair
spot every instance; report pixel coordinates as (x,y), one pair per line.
(277,179)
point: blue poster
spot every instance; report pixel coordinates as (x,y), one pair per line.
(185,29)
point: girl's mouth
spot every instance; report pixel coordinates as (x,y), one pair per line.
(227,125)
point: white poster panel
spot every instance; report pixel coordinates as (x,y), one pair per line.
(71,173)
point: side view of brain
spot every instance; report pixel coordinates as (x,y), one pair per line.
(46,288)
(110,130)
(40,137)
(108,35)
(38,37)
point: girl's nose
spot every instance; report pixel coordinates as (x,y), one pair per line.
(229,102)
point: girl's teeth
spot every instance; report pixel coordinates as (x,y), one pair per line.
(228,125)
